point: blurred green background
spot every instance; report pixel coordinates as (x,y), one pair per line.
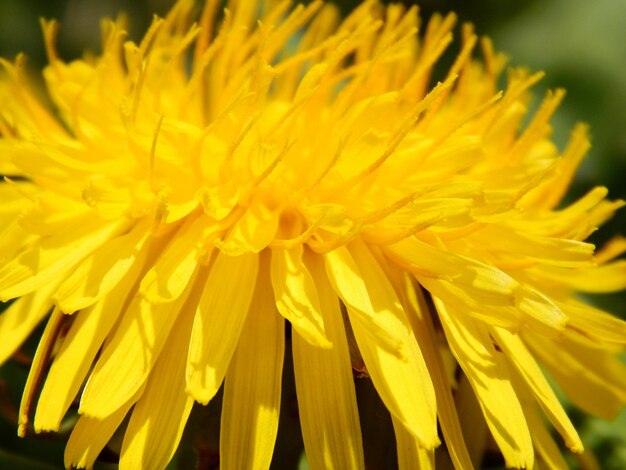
(581,45)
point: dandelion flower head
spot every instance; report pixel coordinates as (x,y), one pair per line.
(180,203)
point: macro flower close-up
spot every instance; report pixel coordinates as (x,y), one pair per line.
(259,192)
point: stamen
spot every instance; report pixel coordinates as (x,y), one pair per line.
(380,214)
(320,246)
(209,13)
(300,239)
(399,136)
(239,138)
(298,17)
(148,39)
(151,162)
(139,85)
(50,30)
(378,239)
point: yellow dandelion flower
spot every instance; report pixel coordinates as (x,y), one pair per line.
(189,197)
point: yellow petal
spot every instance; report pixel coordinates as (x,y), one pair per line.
(12,238)
(296,294)
(547,449)
(613,248)
(486,283)
(36,373)
(7,167)
(252,232)
(54,212)
(550,251)
(325,387)
(525,364)
(472,346)
(14,197)
(475,429)
(528,308)
(462,300)
(252,388)
(50,258)
(420,319)
(347,281)
(490,293)
(219,319)
(167,279)
(129,357)
(547,452)
(21,318)
(90,435)
(101,272)
(402,381)
(593,323)
(610,277)
(593,379)
(77,352)
(159,417)
(551,191)
(410,455)
(540,313)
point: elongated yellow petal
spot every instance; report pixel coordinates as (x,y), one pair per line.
(548,454)
(350,286)
(159,417)
(12,239)
(50,258)
(529,308)
(421,322)
(14,197)
(37,369)
(21,318)
(475,429)
(77,352)
(484,282)
(101,272)
(219,319)
(595,324)
(326,398)
(477,285)
(7,167)
(410,455)
(593,379)
(460,299)
(253,232)
(525,364)
(473,348)
(90,435)
(129,357)
(551,251)
(547,449)
(402,382)
(252,387)
(166,280)
(296,294)
(610,277)
(489,292)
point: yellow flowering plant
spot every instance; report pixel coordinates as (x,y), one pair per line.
(268,177)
